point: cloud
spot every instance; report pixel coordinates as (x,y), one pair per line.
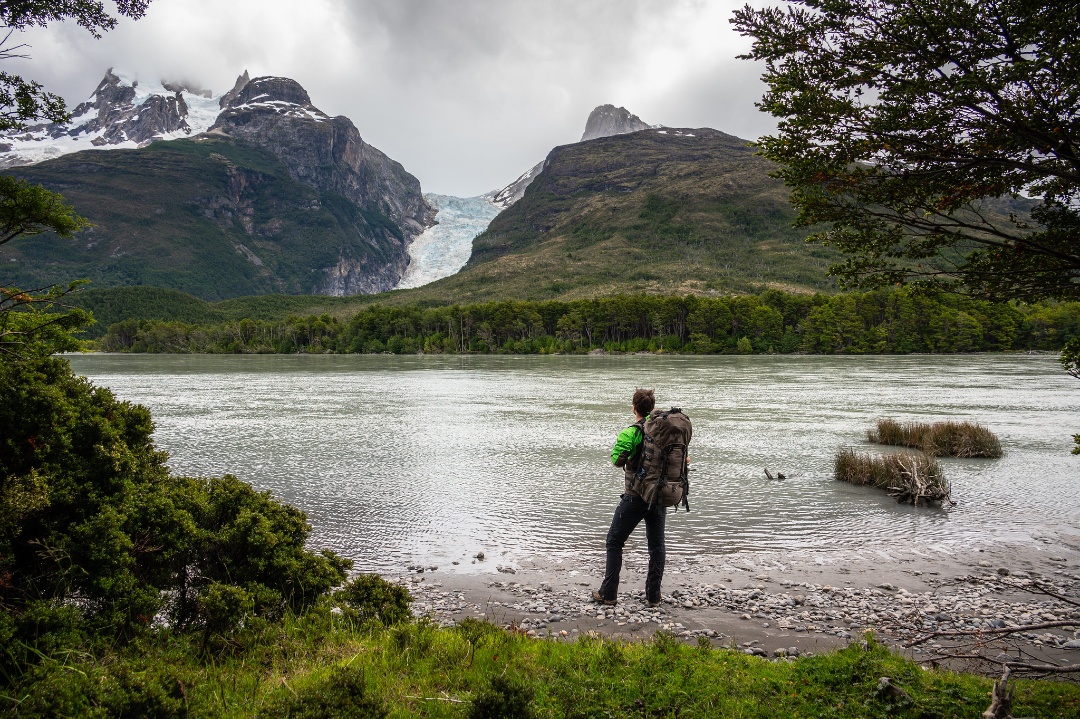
(465,94)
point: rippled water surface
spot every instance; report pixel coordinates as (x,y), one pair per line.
(403,459)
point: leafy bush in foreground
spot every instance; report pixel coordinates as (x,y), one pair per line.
(98,540)
(370,598)
(504,698)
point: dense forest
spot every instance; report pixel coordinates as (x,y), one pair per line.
(896,321)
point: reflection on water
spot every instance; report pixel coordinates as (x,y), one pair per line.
(402,459)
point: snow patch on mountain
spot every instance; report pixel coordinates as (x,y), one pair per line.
(512,193)
(283,107)
(443,249)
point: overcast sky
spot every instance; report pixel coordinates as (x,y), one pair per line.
(466,94)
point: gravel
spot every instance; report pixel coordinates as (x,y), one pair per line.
(974,602)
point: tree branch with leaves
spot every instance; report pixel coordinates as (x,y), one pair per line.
(23,101)
(934,142)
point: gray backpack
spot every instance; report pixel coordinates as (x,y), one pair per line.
(663,475)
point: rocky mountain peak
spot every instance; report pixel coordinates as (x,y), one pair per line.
(111,94)
(271,89)
(515,190)
(276,114)
(608,120)
(228,97)
(268,98)
(118,112)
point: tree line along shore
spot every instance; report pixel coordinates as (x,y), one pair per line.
(891,321)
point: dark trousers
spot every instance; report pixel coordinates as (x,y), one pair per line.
(631,510)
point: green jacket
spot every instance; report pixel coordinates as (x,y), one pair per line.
(629,440)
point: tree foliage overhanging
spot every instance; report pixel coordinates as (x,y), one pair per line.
(915,132)
(23,101)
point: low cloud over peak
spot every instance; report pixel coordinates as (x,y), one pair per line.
(464,94)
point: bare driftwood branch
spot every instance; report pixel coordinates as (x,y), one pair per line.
(1002,630)
(1045,668)
(1001,699)
(436,699)
(1042,589)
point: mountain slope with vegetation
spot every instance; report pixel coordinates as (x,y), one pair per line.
(212,217)
(655,211)
(276,197)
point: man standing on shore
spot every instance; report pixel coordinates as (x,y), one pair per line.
(632,509)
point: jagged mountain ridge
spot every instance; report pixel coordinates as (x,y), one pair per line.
(603,121)
(120,113)
(267,137)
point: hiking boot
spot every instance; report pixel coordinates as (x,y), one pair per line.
(652,605)
(596,597)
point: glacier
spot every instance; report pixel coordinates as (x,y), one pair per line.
(443,249)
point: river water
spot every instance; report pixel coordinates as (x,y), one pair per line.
(399,460)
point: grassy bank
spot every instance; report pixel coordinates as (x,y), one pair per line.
(320,666)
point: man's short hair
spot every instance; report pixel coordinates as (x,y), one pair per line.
(644,401)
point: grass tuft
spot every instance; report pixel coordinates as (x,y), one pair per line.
(940,439)
(343,695)
(504,698)
(907,476)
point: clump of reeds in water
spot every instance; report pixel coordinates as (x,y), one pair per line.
(940,439)
(907,476)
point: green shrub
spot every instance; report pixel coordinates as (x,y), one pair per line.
(907,476)
(418,637)
(97,539)
(940,439)
(370,598)
(117,692)
(504,698)
(345,695)
(476,631)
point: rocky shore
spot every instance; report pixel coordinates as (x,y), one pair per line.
(792,610)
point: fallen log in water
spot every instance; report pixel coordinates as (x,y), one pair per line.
(908,477)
